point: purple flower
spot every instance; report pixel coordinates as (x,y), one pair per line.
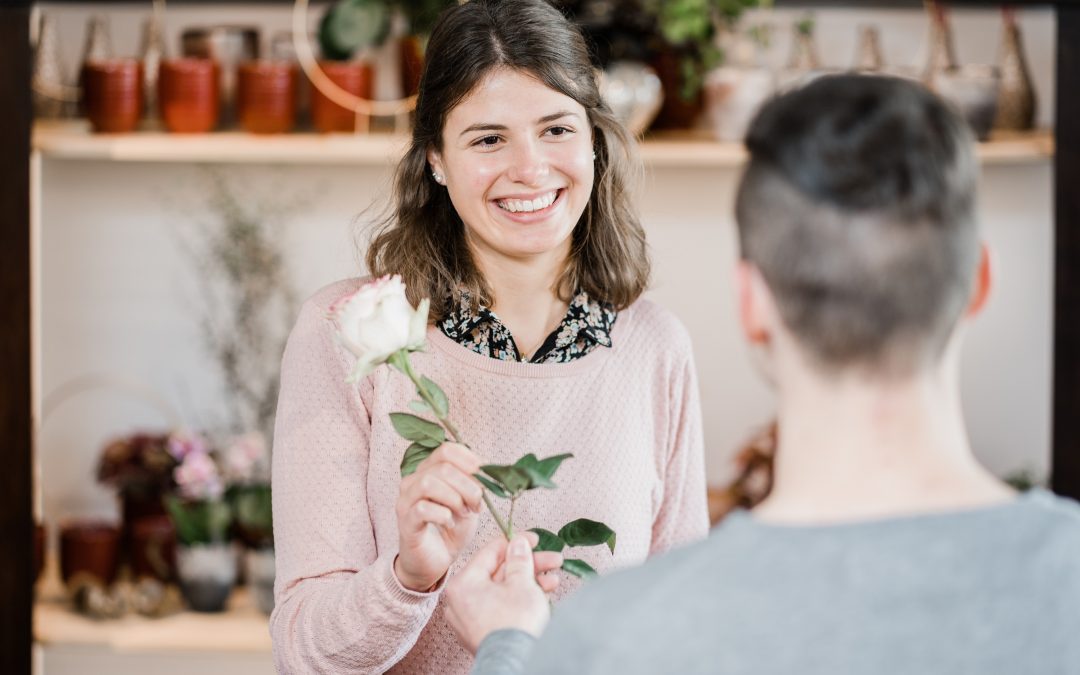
(197,477)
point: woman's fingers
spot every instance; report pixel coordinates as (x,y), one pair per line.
(424,512)
(547,561)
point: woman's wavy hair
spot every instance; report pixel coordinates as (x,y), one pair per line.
(422,238)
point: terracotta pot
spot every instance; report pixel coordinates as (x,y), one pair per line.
(676,112)
(153,548)
(89,552)
(188,94)
(355,78)
(266,96)
(412,64)
(112,94)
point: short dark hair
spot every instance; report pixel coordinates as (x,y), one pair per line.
(857,206)
(423,240)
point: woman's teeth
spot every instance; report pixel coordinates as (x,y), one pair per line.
(526,206)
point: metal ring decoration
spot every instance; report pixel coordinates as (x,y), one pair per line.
(306,56)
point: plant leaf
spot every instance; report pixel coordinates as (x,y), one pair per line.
(414,454)
(418,429)
(513,479)
(438,398)
(579,568)
(541,470)
(420,407)
(492,485)
(549,541)
(585,532)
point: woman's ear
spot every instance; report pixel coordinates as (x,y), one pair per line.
(984,281)
(435,162)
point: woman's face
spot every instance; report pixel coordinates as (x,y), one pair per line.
(517,160)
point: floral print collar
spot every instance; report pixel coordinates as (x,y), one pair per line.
(586,326)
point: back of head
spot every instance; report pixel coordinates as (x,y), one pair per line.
(857,206)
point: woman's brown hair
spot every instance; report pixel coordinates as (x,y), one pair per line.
(423,238)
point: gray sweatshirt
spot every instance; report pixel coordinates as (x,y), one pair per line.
(983,591)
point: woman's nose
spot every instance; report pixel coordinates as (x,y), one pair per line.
(529,164)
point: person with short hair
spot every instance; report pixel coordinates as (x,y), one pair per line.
(884,547)
(512,212)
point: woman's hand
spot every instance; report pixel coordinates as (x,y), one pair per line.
(437,512)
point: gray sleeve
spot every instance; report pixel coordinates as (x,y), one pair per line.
(504,652)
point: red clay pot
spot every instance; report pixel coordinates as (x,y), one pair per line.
(153,548)
(355,78)
(89,551)
(189,95)
(266,96)
(112,94)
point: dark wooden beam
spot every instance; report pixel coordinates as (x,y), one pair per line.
(1066,413)
(16,478)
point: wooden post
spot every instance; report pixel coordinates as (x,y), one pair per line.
(16,478)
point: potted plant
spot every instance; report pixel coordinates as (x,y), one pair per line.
(246,464)
(206,563)
(688,31)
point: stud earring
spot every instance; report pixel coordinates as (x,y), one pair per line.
(594,155)
(437,176)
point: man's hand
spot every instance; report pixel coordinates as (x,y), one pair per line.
(502,587)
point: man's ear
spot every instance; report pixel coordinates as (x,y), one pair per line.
(753,299)
(984,281)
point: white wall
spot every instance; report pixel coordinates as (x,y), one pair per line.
(119,298)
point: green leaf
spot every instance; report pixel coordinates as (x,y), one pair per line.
(199,522)
(585,532)
(579,568)
(414,455)
(512,478)
(418,429)
(492,485)
(420,407)
(438,398)
(549,541)
(540,471)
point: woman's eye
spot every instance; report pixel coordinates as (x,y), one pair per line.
(560,131)
(488,141)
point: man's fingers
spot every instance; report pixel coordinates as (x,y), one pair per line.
(487,560)
(545,561)
(548,582)
(518,565)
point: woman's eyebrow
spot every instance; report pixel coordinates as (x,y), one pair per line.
(491,126)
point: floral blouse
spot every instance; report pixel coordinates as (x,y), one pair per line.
(586,326)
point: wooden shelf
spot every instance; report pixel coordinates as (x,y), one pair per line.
(242,628)
(73,140)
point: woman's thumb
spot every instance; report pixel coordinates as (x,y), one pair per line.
(519,559)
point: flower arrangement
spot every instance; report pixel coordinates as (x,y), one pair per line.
(246,469)
(139,464)
(197,508)
(378,325)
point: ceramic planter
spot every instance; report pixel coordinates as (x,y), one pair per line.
(207,573)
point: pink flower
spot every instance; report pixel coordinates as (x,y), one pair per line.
(183,443)
(197,478)
(245,460)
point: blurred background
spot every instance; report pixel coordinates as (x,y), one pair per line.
(191,186)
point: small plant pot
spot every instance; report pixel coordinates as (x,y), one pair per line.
(260,577)
(189,95)
(207,574)
(89,553)
(355,78)
(266,96)
(113,94)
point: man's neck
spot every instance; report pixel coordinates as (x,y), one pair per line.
(858,449)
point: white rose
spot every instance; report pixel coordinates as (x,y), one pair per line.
(377,321)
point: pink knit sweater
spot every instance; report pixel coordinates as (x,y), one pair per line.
(630,414)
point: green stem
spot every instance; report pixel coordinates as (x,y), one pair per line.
(505,526)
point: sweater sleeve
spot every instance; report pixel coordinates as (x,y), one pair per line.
(683,516)
(339,607)
(504,652)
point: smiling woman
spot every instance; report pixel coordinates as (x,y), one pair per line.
(512,214)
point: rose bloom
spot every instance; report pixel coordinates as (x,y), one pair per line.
(376,321)
(197,478)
